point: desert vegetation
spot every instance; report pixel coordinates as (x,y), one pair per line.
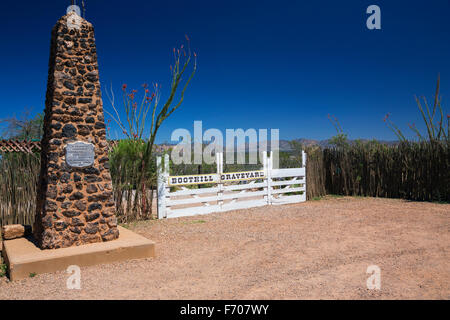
(133,161)
(416,170)
(410,169)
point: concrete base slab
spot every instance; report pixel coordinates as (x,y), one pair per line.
(23,257)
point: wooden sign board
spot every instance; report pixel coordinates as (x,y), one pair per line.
(214,178)
(193,179)
(241,176)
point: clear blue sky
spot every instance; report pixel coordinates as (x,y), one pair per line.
(261,64)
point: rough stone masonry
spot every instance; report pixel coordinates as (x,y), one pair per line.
(75,202)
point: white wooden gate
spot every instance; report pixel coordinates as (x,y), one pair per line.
(229,190)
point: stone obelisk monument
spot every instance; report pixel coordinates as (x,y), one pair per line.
(75,202)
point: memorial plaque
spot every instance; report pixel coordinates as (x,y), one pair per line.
(80,154)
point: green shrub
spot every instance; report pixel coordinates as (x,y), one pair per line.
(3,269)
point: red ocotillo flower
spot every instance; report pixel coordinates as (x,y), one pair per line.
(124,87)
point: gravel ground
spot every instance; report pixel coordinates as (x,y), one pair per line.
(314,250)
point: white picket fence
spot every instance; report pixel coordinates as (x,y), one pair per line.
(229,190)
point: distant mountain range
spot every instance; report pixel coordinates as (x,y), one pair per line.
(285,145)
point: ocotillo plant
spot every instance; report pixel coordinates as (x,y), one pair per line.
(340,140)
(437,129)
(134,129)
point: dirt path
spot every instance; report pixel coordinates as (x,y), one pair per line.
(318,249)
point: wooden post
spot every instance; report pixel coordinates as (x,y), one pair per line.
(269,178)
(166,184)
(266,174)
(303,158)
(219,163)
(161,189)
(304,166)
(163,186)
